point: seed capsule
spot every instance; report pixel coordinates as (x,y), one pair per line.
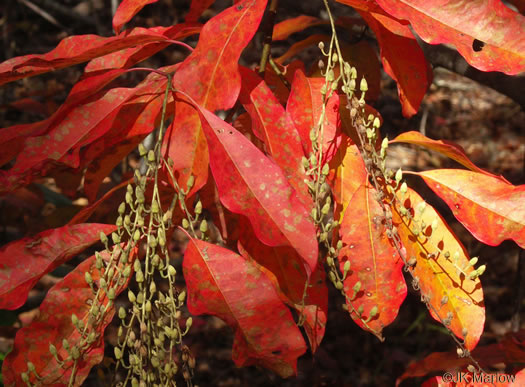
(363,86)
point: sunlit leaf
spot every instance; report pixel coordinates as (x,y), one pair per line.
(440,265)
(25,261)
(224,284)
(491,209)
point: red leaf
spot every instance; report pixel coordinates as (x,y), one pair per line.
(128,57)
(252,185)
(491,209)
(212,63)
(284,29)
(126,10)
(279,88)
(273,126)
(311,40)
(77,49)
(53,325)
(197,7)
(224,284)
(441,267)
(26,260)
(286,265)
(410,70)
(374,262)
(488,34)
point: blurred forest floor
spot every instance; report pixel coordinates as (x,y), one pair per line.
(488,125)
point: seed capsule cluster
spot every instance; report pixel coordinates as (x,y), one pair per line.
(151,330)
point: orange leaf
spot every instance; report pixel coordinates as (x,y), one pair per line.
(284,29)
(491,209)
(374,262)
(442,269)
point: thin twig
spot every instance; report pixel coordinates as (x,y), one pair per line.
(268,34)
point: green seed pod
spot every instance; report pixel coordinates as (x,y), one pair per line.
(129,198)
(182,296)
(91,338)
(152,287)
(330,76)
(373,312)
(152,241)
(74,319)
(357,287)
(94,310)
(323,236)
(88,278)
(155,362)
(155,260)
(473,261)
(140,222)
(330,261)
(360,310)
(118,353)
(31,367)
(122,208)
(332,276)
(338,285)
(377,123)
(103,238)
(139,276)
(346,267)
(404,188)
(142,150)
(131,297)
(363,86)
(326,170)
(190,182)
(136,235)
(25,377)
(189,323)
(351,86)
(481,269)
(53,349)
(134,382)
(110,273)
(198,208)
(151,156)
(339,244)
(326,209)
(102,283)
(111,294)
(203,226)
(313,134)
(119,221)
(98,260)
(122,313)
(75,353)
(370,133)
(185,224)
(155,207)
(65,344)
(126,272)
(120,331)
(148,306)
(314,213)
(305,162)
(171,271)
(115,237)
(399,175)
(421,207)
(460,352)
(140,297)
